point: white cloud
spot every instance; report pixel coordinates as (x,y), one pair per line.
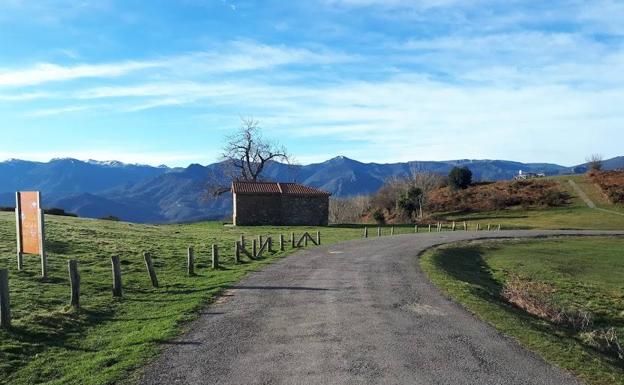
(47,72)
(58,111)
(232,57)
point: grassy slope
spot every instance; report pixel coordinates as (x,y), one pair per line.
(586,273)
(576,215)
(107,338)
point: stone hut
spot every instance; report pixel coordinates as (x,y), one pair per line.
(275,203)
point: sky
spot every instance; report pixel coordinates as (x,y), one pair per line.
(164,82)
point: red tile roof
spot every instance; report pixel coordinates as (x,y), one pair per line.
(276,188)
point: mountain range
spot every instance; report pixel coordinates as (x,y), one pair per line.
(147,194)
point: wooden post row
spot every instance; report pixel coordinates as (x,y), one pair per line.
(74,282)
(149,264)
(5,302)
(116,265)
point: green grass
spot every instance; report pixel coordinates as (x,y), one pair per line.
(586,274)
(107,339)
(576,215)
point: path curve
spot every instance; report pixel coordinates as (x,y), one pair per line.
(359,312)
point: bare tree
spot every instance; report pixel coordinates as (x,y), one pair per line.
(594,162)
(427,182)
(348,210)
(248,152)
(245,156)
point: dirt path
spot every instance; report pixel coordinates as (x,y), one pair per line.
(588,201)
(360,312)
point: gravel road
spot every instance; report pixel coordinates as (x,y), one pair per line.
(359,312)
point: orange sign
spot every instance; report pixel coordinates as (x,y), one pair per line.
(29,222)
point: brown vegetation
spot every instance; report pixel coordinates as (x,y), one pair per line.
(611,183)
(498,196)
(535,299)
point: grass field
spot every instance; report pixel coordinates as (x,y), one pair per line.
(576,215)
(584,274)
(107,339)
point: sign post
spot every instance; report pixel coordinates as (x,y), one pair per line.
(30,228)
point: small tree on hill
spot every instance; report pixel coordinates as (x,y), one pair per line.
(460,178)
(379,216)
(410,203)
(594,162)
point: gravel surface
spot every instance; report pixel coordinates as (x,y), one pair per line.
(359,312)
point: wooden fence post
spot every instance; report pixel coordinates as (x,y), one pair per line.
(254,248)
(478,226)
(149,264)
(242,241)
(281,242)
(190,261)
(318,238)
(499,227)
(489,226)
(454,225)
(465,226)
(378,231)
(18,232)
(305,239)
(365,232)
(270,241)
(439,227)
(430,227)
(292,240)
(117,291)
(416,229)
(74,282)
(5,302)
(237,248)
(215,256)
(392,230)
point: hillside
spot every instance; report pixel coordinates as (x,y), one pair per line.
(148,194)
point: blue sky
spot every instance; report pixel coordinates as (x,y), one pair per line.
(377,80)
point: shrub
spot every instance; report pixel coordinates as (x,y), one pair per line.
(611,183)
(6,208)
(460,178)
(111,218)
(59,212)
(379,217)
(498,196)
